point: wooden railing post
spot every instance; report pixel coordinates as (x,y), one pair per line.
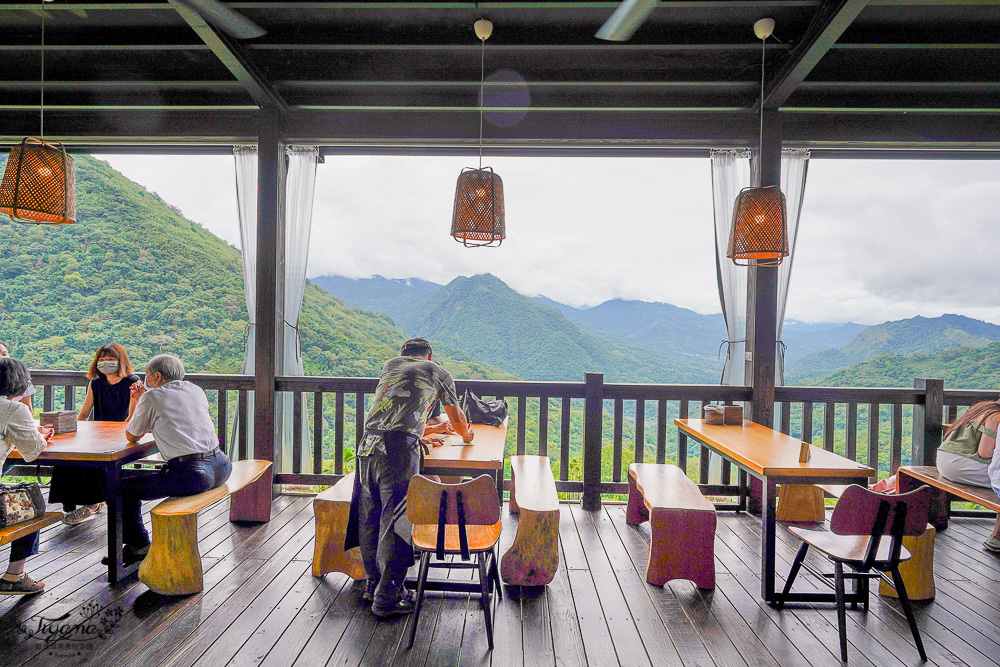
(927,421)
(593,437)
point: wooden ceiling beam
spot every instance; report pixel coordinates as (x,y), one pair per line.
(232,57)
(827,27)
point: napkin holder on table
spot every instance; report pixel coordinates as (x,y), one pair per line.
(61,421)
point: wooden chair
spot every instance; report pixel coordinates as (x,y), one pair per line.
(859,521)
(456,520)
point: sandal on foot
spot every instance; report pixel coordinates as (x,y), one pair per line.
(23,586)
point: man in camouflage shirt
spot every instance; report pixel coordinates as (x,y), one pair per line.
(389,455)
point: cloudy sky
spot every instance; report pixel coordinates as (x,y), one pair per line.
(879,239)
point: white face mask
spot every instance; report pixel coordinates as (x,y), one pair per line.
(107,367)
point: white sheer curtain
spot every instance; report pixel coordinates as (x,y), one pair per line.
(794,166)
(246,206)
(300,188)
(730,174)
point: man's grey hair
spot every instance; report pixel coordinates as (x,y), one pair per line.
(167,365)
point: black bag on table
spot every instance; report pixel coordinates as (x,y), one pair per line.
(20,503)
(478,411)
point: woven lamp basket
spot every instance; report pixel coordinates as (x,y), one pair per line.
(760,230)
(478,215)
(39,184)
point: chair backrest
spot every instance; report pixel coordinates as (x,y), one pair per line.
(479,500)
(857,511)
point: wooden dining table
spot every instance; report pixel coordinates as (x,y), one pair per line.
(483,455)
(773,458)
(100,445)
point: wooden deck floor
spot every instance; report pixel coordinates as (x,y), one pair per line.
(261,606)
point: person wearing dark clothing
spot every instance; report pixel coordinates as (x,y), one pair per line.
(109,398)
(388,456)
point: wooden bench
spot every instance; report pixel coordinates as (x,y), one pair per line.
(332,509)
(912,477)
(682,523)
(533,557)
(173,565)
(19,530)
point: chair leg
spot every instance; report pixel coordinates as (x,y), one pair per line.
(485,583)
(796,564)
(841,608)
(421,580)
(904,599)
(495,575)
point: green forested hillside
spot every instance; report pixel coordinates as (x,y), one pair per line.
(135,271)
(495,324)
(961,368)
(903,337)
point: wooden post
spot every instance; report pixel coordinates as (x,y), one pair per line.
(762,307)
(927,422)
(270,283)
(593,437)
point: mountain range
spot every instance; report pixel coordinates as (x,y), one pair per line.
(133,270)
(637,340)
(916,335)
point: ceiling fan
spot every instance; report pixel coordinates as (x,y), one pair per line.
(222,17)
(626,20)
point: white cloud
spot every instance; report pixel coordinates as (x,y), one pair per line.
(879,239)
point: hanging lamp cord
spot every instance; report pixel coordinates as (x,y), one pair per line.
(42,101)
(482,79)
(760,146)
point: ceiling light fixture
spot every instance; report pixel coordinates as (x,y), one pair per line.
(477,219)
(759,232)
(39,183)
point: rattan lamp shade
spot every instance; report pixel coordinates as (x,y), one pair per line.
(478,217)
(39,184)
(760,229)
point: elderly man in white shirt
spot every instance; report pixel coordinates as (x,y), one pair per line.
(176,412)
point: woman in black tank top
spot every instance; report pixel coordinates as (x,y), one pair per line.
(108,399)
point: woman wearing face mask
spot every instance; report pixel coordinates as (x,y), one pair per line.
(109,398)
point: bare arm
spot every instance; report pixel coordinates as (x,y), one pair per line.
(459,422)
(987,443)
(438,425)
(88,405)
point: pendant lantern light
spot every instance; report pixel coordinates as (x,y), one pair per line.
(759,232)
(39,183)
(478,215)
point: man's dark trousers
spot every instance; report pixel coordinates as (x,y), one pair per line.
(384,482)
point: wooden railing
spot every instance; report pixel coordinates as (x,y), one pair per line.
(591,430)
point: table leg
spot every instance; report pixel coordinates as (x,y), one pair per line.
(744,491)
(112,483)
(499,479)
(769,493)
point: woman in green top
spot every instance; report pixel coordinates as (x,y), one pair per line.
(965,454)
